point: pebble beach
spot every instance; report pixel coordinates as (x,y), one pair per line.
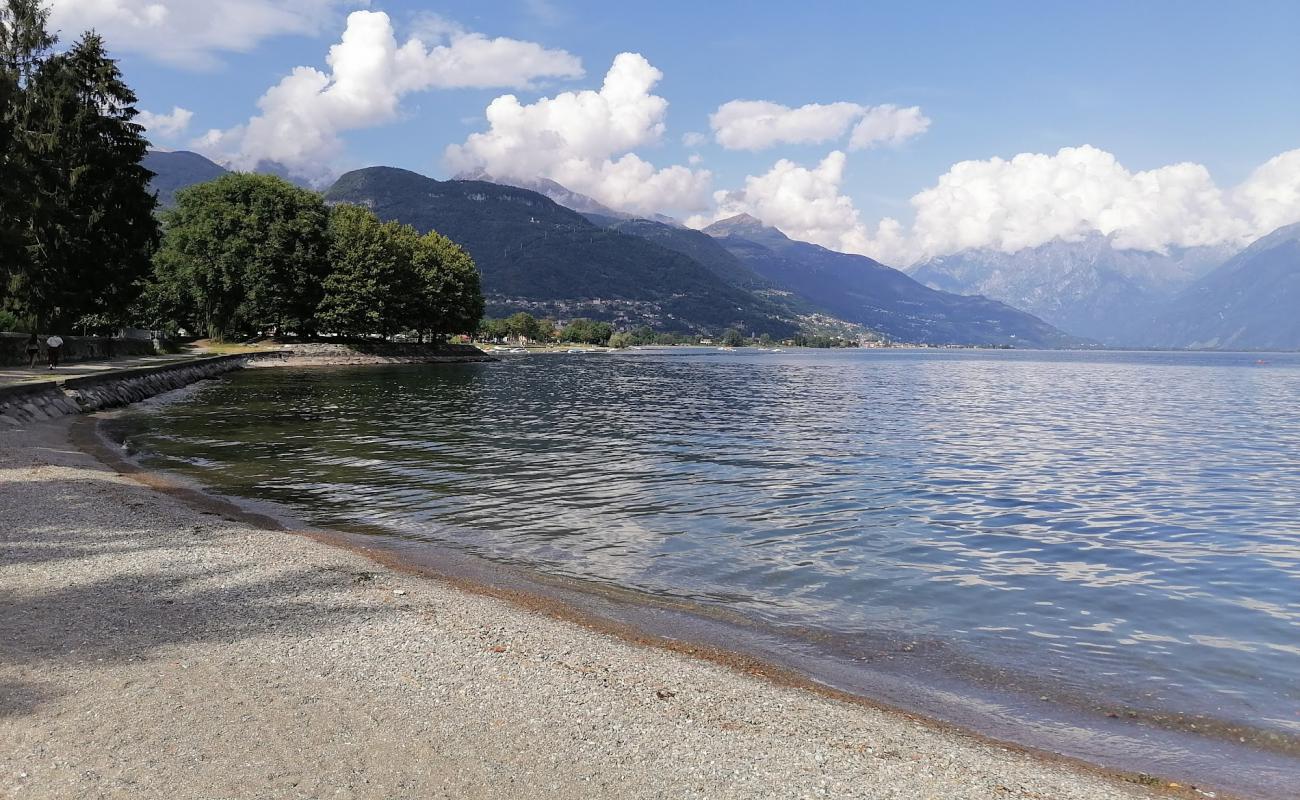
(154,649)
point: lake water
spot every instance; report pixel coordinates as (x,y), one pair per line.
(1082,540)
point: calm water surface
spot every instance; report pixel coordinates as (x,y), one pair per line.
(1115,531)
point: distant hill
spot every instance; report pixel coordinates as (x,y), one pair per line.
(574,201)
(696,244)
(176,169)
(1251,302)
(1087,288)
(861,290)
(538,256)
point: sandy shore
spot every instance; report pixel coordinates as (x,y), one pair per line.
(151,650)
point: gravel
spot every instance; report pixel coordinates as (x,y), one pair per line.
(149,649)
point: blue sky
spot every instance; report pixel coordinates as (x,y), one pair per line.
(1150,83)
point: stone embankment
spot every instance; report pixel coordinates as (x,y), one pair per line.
(33,402)
(357,354)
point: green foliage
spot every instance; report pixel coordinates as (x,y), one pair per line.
(546,330)
(523,325)
(24,39)
(385,277)
(447,296)
(9,321)
(76,218)
(820,341)
(241,254)
(493,329)
(586,331)
(733,338)
(371,277)
(620,340)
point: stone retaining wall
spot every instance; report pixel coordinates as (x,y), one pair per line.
(27,403)
(32,402)
(363,353)
(13,348)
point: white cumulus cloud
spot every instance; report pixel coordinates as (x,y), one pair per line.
(804,203)
(1025,201)
(165,126)
(191,32)
(759,124)
(302,117)
(888,124)
(585,140)
(1033,198)
(1272,192)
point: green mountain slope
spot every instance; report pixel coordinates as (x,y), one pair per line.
(177,169)
(538,256)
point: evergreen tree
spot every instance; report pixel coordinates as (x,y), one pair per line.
(76,216)
(87,223)
(24,43)
(24,39)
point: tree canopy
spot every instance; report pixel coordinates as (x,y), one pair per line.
(77,227)
(241,253)
(245,254)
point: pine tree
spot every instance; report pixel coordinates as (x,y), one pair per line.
(92,230)
(24,44)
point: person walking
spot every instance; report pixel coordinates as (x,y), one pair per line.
(33,351)
(52,347)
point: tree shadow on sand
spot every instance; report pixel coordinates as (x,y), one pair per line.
(142,598)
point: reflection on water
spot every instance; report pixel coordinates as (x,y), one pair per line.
(1125,525)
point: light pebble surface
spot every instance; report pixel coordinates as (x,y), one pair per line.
(150,650)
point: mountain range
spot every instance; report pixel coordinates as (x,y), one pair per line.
(1087,287)
(548,250)
(1251,302)
(881,298)
(538,256)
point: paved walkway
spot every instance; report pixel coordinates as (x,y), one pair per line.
(13,375)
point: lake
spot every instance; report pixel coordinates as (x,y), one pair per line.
(1095,553)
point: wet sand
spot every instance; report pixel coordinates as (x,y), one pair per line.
(151,647)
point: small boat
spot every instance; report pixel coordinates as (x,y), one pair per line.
(518,350)
(576,350)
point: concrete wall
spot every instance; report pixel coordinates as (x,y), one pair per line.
(32,402)
(13,348)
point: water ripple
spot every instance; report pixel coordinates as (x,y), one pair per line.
(1128,524)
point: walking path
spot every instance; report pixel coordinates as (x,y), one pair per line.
(14,375)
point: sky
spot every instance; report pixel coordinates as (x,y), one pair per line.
(901,131)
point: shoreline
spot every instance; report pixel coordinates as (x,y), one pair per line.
(746,646)
(136,691)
